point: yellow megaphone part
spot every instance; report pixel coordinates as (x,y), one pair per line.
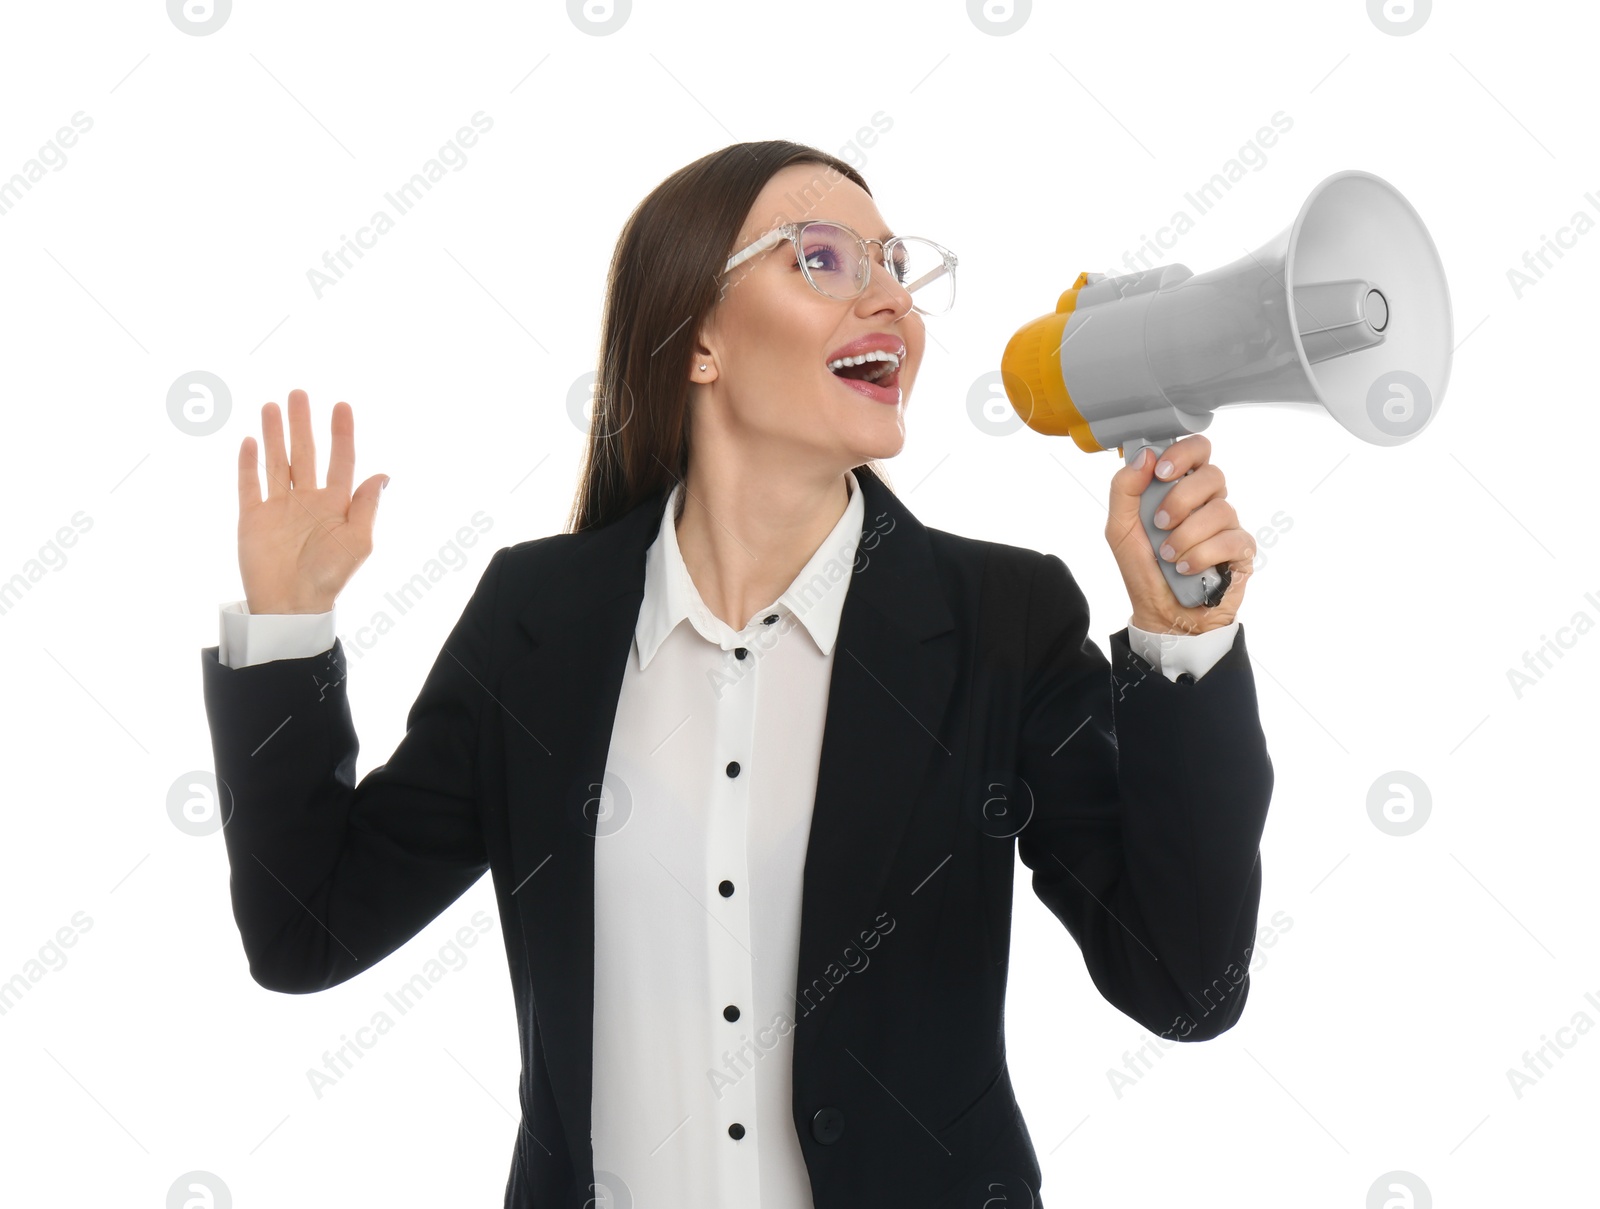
(1030,370)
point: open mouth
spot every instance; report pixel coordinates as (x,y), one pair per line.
(876,368)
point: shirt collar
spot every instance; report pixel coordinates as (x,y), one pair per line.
(815,598)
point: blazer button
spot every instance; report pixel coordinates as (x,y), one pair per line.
(1185,677)
(826,1125)
(739,652)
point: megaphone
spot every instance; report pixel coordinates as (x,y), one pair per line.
(1346,309)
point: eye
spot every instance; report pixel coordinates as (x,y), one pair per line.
(821,259)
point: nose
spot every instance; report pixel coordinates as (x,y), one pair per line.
(880,276)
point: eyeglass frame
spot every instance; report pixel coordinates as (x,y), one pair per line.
(791,232)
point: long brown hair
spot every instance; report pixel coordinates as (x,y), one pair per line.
(664,280)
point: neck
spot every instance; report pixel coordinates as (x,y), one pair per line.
(747,529)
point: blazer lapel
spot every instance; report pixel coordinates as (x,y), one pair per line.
(894,667)
(886,699)
(560,702)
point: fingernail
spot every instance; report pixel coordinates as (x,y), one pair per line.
(1164,469)
(1167,551)
(385,486)
(1183,568)
(1162,519)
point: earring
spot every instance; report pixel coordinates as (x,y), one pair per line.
(702,368)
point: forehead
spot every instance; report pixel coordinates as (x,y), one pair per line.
(806,191)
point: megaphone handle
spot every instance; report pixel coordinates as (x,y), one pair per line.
(1199,588)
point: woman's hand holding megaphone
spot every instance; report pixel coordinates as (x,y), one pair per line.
(1203,532)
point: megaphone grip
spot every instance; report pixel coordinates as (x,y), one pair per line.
(1198,588)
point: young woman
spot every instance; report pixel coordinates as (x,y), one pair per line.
(748,750)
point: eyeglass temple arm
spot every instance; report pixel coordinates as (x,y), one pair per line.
(930,275)
(755,249)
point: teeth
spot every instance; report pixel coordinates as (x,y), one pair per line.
(875,355)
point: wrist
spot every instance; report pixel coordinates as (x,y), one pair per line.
(1180,627)
(279,608)
(1154,625)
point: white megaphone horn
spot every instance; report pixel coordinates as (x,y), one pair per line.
(1347,309)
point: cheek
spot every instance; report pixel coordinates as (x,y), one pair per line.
(793,342)
(911,373)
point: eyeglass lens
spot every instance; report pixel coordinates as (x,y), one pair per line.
(835,261)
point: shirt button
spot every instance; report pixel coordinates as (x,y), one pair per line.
(736,1131)
(769,619)
(725,889)
(730,1012)
(733,768)
(739,652)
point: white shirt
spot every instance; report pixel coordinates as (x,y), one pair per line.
(709,785)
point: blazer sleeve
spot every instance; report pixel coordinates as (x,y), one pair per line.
(1148,797)
(328,876)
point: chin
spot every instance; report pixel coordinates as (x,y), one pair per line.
(882,444)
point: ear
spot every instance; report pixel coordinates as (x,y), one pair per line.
(702,361)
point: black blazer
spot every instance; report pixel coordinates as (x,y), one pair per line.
(968,710)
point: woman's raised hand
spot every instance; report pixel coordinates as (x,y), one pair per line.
(300,546)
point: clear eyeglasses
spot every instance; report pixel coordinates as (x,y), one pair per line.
(837,264)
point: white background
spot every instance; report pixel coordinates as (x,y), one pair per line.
(1412,972)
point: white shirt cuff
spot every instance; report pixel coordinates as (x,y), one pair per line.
(1174,654)
(250,638)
